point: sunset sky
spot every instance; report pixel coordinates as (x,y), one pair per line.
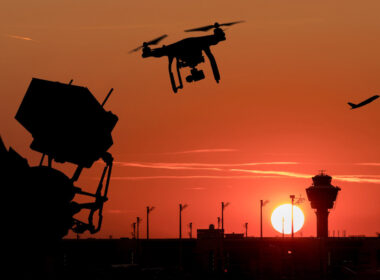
(277,117)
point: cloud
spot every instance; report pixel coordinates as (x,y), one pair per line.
(171,166)
(137,178)
(197,166)
(369,163)
(20,37)
(198,151)
(358,179)
(196,188)
(278,173)
(375,179)
(228,169)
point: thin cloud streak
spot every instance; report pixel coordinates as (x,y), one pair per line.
(196,188)
(345,178)
(131,178)
(196,166)
(357,179)
(168,166)
(20,37)
(220,167)
(369,163)
(198,151)
(278,173)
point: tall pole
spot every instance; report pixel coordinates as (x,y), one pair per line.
(138,220)
(147,222)
(181,208)
(134,230)
(191,230)
(262,204)
(222,216)
(261,218)
(148,210)
(180,221)
(223,206)
(292,198)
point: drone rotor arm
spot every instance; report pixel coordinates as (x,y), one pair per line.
(151,42)
(203,28)
(136,49)
(215,25)
(232,23)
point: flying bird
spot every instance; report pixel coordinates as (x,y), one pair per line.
(365,102)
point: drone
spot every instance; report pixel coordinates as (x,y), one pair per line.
(188,53)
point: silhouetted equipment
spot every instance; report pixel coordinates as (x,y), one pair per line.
(181,208)
(68,124)
(138,221)
(322,196)
(190,230)
(234,235)
(188,53)
(210,233)
(134,230)
(148,210)
(292,197)
(365,102)
(246,229)
(262,204)
(224,205)
(293,202)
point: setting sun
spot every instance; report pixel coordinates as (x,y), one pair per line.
(282,221)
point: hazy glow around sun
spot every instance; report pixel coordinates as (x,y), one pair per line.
(281,218)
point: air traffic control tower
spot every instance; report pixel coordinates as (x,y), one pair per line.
(322,196)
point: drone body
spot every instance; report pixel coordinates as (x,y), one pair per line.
(188,53)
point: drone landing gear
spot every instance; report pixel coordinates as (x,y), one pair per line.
(172,80)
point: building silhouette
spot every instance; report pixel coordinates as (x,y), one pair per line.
(322,196)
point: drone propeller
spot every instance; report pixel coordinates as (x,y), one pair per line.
(215,25)
(152,42)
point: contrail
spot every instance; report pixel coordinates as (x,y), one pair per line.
(20,37)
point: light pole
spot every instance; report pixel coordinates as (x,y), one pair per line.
(224,205)
(262,204)
(148,210)
(134,230)
(181,208)
(138,220)
(292,197)
(190,230)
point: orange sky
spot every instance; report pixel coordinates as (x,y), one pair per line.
(286,76)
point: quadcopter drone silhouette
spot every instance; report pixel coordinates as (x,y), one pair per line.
(188,53)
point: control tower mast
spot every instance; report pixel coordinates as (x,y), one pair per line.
(322,196)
